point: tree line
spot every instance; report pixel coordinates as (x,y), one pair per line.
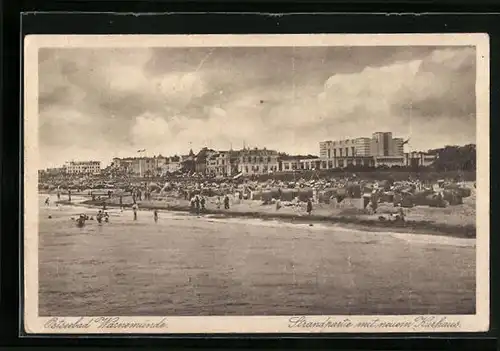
(455,158)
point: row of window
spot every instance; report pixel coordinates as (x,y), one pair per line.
(257,169)
(255,159)
(353,152)
(324,164)
(340,142)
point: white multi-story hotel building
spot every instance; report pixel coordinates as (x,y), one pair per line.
(83,167)
(381,149)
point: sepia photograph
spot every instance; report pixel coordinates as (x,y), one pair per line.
(256,183)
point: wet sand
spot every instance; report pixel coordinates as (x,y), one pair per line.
(455,221)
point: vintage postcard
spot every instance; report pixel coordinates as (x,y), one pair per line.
(256,183)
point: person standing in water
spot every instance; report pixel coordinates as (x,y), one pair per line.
(81,220)
(135,208)
(98,217)
(155,215)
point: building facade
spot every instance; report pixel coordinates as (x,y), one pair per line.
(381,144)
(419,159)
(388,161)
(298,163)
(363,146)
(398,146)
(171,165)
(141,166)
(219,164)
(201,160)
(83,167)
(257,161)
(338,148)
(379,150)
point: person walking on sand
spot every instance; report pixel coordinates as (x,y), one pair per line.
(155,216)
(374,201)
(69,195)
(217,202)
(401,214)
(226,202)
(58,195)
(278,204)
(135,207)
(309,206)
(202,202)
(47,201)
(192,203)
(197,204)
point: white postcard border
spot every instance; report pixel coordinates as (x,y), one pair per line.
(255,324)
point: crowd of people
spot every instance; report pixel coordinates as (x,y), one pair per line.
(301,192)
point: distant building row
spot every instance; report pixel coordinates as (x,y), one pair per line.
(379,150)
(259,161)
(207,161)
(76,167)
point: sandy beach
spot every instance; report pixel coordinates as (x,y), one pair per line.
(455,221)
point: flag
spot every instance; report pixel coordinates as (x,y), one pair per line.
(406,141)
(142,150)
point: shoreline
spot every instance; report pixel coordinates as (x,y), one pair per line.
(351,221)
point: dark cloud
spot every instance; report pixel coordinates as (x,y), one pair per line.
(289,97)
(444,86)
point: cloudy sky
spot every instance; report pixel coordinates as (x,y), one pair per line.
(102,103)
